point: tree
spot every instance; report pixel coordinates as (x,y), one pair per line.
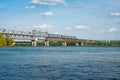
(2,41)
(9,40)
(6,41)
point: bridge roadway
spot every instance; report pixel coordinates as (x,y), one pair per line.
(35,36)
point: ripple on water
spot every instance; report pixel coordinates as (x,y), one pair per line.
(60,63)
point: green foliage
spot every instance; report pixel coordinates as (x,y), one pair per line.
(23,44)
(40,44)
(71,43)
(5,41)
(9,40)
(103,43)
(2,41)
(55,43)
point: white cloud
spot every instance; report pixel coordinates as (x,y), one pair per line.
(43,26)
(67,28)
(115,14)
(48,14)
(113,30)
(30,7)
(81,27)
(49,2)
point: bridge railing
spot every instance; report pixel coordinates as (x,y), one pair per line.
(61,36)
(34,34)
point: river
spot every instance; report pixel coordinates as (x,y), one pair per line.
(60,63)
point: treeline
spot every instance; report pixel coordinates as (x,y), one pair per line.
(72,43)
(103,43)
(51,43)
(5,41)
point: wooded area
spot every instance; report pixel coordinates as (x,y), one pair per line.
(5,41)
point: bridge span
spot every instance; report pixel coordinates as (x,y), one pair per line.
(35,36)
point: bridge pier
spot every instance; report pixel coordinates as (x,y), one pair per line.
(64,43)
(34,43)
(82,44)
(47,43)
(77,43)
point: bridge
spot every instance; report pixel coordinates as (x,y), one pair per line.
(35,36)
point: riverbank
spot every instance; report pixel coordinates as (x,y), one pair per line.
(55,43)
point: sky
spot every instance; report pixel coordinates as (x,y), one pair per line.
(86,19)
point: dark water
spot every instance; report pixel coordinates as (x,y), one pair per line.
(60,63)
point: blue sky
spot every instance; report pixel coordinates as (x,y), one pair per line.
(86,19)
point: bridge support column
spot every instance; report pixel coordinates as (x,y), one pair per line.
(47,43)
(77,43)
(82,44)
(34,43)
(64,43)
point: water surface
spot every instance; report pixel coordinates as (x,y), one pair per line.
(60,63)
